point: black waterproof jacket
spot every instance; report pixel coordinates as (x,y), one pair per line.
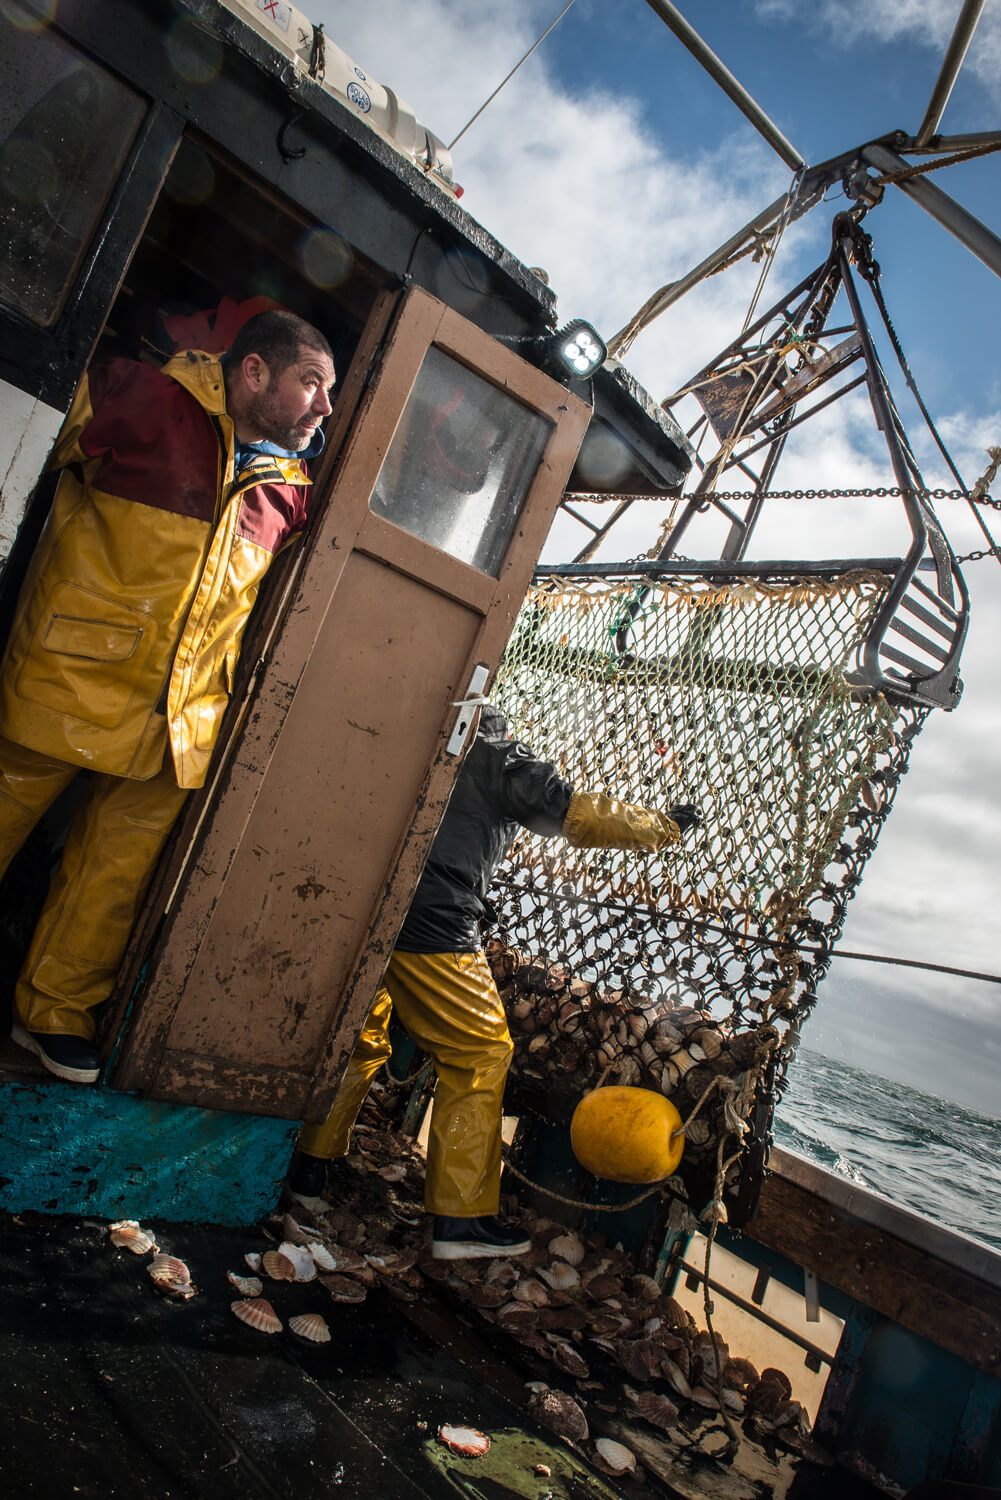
(502,786)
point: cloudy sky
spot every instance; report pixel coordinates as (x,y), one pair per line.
(614,163)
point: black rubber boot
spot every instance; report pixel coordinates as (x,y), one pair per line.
(475,1239)
(306,1176)
(68,1057)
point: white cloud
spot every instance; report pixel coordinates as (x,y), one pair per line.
(573,183)
(929,23)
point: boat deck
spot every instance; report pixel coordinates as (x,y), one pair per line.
(109,1390)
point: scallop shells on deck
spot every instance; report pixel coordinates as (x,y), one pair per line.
(252,1260)
(655,1408)
(247,1286)
(277,1265)
(560,1413)
(171,1276)
(616,1456)
(343,1289)
(300,1259)
(568,1247)
(310,1326)
(464,1440)
(560,1276)
(323,1260)
(257,1313)
(126,1234)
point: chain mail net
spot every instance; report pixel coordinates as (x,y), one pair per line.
(690,972)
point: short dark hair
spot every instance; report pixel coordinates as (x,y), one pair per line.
(277,336)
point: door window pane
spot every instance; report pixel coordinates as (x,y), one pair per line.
(460,463)
(66,126)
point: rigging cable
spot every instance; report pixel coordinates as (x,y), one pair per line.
(452,143)
(872,958)
(871,272)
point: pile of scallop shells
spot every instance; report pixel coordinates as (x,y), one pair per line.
(627,1348)
(603,1344)
(568,1033)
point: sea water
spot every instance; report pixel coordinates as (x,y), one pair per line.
(924,1153)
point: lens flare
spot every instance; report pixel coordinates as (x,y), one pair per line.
(41,15)
(194,53)
(325,258)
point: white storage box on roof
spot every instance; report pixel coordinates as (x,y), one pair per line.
(293,34)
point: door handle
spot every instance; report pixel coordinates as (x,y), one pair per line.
(467,707)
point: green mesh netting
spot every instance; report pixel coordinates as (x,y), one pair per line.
(669,970)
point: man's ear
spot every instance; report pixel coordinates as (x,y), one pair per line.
(255,372)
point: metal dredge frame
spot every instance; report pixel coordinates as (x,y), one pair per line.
(737,693)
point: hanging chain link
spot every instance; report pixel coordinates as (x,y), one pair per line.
(874,492)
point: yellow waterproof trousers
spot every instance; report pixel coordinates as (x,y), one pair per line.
(449,1004)
(114,842)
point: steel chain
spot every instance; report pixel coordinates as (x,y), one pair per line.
(882,492)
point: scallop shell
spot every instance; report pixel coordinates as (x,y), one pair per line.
(464,1440)
(568,1247)
(343,1289)
(560,1276)
(676,1378)
(393,1173)
(344,1258)
(739,1373)
(566,1357)
(709,1041)
(616,1455)
(601,1287)
(301,1261)
(170,1275)
(655,1409)
(247,1286)
(502,1271)
(252,1260)
(645,1288)
(531,1291)
(560,1413)
(310,1326)
(126,1234)
(518,1315)
(257,1313)
(294,1232)
(277,1265)
(323,1260)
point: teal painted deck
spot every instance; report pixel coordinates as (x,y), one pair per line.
(92,1152)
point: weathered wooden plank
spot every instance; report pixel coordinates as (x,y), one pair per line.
(924,1293)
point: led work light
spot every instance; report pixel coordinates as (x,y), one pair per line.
(577,350)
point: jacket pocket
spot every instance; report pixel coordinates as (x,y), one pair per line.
(88,658)
(94,640)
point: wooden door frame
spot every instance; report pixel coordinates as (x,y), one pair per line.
(421,321)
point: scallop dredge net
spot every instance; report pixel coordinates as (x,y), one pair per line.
(691,972)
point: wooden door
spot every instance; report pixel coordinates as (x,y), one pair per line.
(278,934)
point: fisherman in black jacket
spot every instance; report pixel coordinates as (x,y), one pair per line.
(440,984)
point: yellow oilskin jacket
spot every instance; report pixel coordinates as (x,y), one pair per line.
(129,624)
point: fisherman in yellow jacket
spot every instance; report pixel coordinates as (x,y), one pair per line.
(439,982)
(179,486)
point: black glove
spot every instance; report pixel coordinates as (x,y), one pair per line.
(686,817)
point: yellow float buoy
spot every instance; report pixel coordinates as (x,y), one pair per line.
(627,1135)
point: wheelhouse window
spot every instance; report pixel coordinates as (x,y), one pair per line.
(66,127)
(460,463)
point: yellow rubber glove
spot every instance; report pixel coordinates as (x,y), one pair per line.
(600,822)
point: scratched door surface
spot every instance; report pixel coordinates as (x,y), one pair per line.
(277,935)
